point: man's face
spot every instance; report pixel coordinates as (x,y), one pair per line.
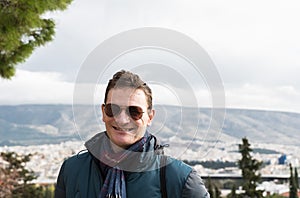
(122,129)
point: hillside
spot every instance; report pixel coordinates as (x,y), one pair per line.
(40,124)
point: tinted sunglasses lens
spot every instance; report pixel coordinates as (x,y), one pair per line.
(112,110)
(135,112)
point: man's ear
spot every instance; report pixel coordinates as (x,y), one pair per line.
(103,113)
(151,114)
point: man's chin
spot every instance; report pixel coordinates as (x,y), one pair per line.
(123,140)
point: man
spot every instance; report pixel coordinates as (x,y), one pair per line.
(125,160)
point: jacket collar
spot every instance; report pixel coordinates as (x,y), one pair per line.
(137,162)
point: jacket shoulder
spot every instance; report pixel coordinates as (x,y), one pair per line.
(177,168)
(75,173)
(77,164)
(79,158)
(177,173)
(194,186)
(189,180)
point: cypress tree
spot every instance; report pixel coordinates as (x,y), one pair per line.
(296,178)
(217,192)
(232,194)
(249,167)
(210,188)
(293,187)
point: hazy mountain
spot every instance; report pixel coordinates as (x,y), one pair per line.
(38,124)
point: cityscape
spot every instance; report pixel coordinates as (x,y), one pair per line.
(47,158)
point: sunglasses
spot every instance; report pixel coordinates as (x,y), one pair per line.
(113,110)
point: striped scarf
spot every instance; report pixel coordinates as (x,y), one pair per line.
(114,184)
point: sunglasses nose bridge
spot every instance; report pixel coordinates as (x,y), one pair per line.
(123,114)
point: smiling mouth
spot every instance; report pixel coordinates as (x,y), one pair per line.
(123,129)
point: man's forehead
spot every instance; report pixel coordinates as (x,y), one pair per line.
(126,94)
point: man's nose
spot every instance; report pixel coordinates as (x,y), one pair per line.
(122,117)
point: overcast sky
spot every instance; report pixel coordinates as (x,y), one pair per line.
(255,46)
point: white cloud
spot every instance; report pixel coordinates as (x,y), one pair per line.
(251,96)
(250,36)
(35,88)
(48,88)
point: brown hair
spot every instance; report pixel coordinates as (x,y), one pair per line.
(127,79)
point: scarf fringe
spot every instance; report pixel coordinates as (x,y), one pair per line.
(114,185)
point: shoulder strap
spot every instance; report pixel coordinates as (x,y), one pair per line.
(163,183)
(159,150)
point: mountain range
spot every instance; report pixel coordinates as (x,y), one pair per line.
(45,124)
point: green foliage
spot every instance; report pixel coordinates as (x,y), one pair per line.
(49,191)
(23,27)
(274,196)
(249,167)
(213,190)
(28,191)
(210,188)
(293,184)
(296,178)
(217,192)
(16,178)
(232,194)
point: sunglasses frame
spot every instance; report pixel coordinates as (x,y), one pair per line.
(127,111)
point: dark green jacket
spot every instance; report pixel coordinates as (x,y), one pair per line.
(80,176)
